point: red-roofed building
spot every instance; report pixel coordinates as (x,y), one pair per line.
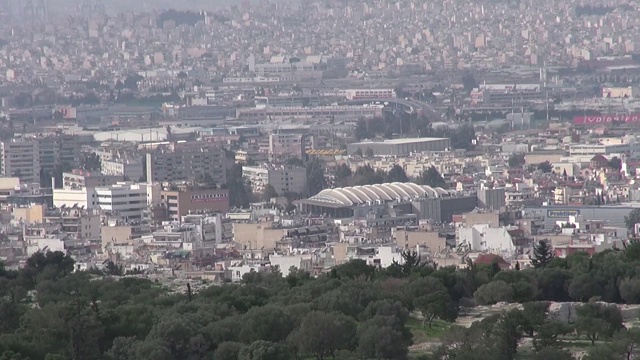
(488,259)
(598,162)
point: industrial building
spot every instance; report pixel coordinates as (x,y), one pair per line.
(612,215)
(401,147)
(387,201)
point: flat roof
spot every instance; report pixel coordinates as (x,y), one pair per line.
(401,141)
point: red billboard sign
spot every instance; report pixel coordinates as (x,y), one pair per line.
(605,119)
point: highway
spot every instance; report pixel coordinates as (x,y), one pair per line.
(419,107)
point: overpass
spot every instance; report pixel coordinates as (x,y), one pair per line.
(420,107)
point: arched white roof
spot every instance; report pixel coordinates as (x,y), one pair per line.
(384,192)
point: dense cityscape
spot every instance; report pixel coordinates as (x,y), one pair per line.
(275,180)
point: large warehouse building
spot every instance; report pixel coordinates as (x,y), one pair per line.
(613,215)
(401,147)
(424,202)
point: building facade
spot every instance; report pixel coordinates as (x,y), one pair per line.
(186,200)
(125,199)
(400,147)
(180,164)
(131,169)
(283,178)
(21,159)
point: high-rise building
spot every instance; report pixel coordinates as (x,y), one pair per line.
(21,159)
(58,151)
(187,162)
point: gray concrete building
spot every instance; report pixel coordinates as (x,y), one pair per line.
(401,147)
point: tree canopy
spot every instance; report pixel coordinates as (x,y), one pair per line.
(50,310)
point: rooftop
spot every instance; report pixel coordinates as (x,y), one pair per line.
(358,195)
(401,141)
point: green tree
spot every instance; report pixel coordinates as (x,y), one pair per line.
(615,163)
(315,176)
(469,82)
(547,335)
(545,167)
(553,353)
(239,192)
(516,160)
(397,174)
(90,162)
(583,287)
(228,350)
(494,292)
(369,153)
(264,350)
(542,254)
(269,193)
(534,315)
(432,299)
(379,338)
(342,174)
(553,284)
(597,321)
(431,177)
(632,219)
(322,334)
(353,269)
(268,323)
(630,290)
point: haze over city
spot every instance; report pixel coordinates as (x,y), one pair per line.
(279,180)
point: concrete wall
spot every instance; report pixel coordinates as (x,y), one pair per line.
(410,239)
(30,215)
(116,234)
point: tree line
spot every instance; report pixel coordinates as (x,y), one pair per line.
(355,311)
(366,175)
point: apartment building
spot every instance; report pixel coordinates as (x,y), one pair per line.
(77,179)
(124,168)
(82,223)
(286,145)
(58,149)
(125,199)
(185,200)
(282,178)
(186,162)
(21,159)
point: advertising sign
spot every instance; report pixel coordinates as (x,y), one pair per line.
(208,198)
(562,213)
(605,119)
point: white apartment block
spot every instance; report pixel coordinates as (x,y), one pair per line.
(283,178)
(126,199)
(21,159)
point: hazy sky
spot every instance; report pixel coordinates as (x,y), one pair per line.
(134,5)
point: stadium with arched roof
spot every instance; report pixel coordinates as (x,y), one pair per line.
(410,197)
(358,195)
